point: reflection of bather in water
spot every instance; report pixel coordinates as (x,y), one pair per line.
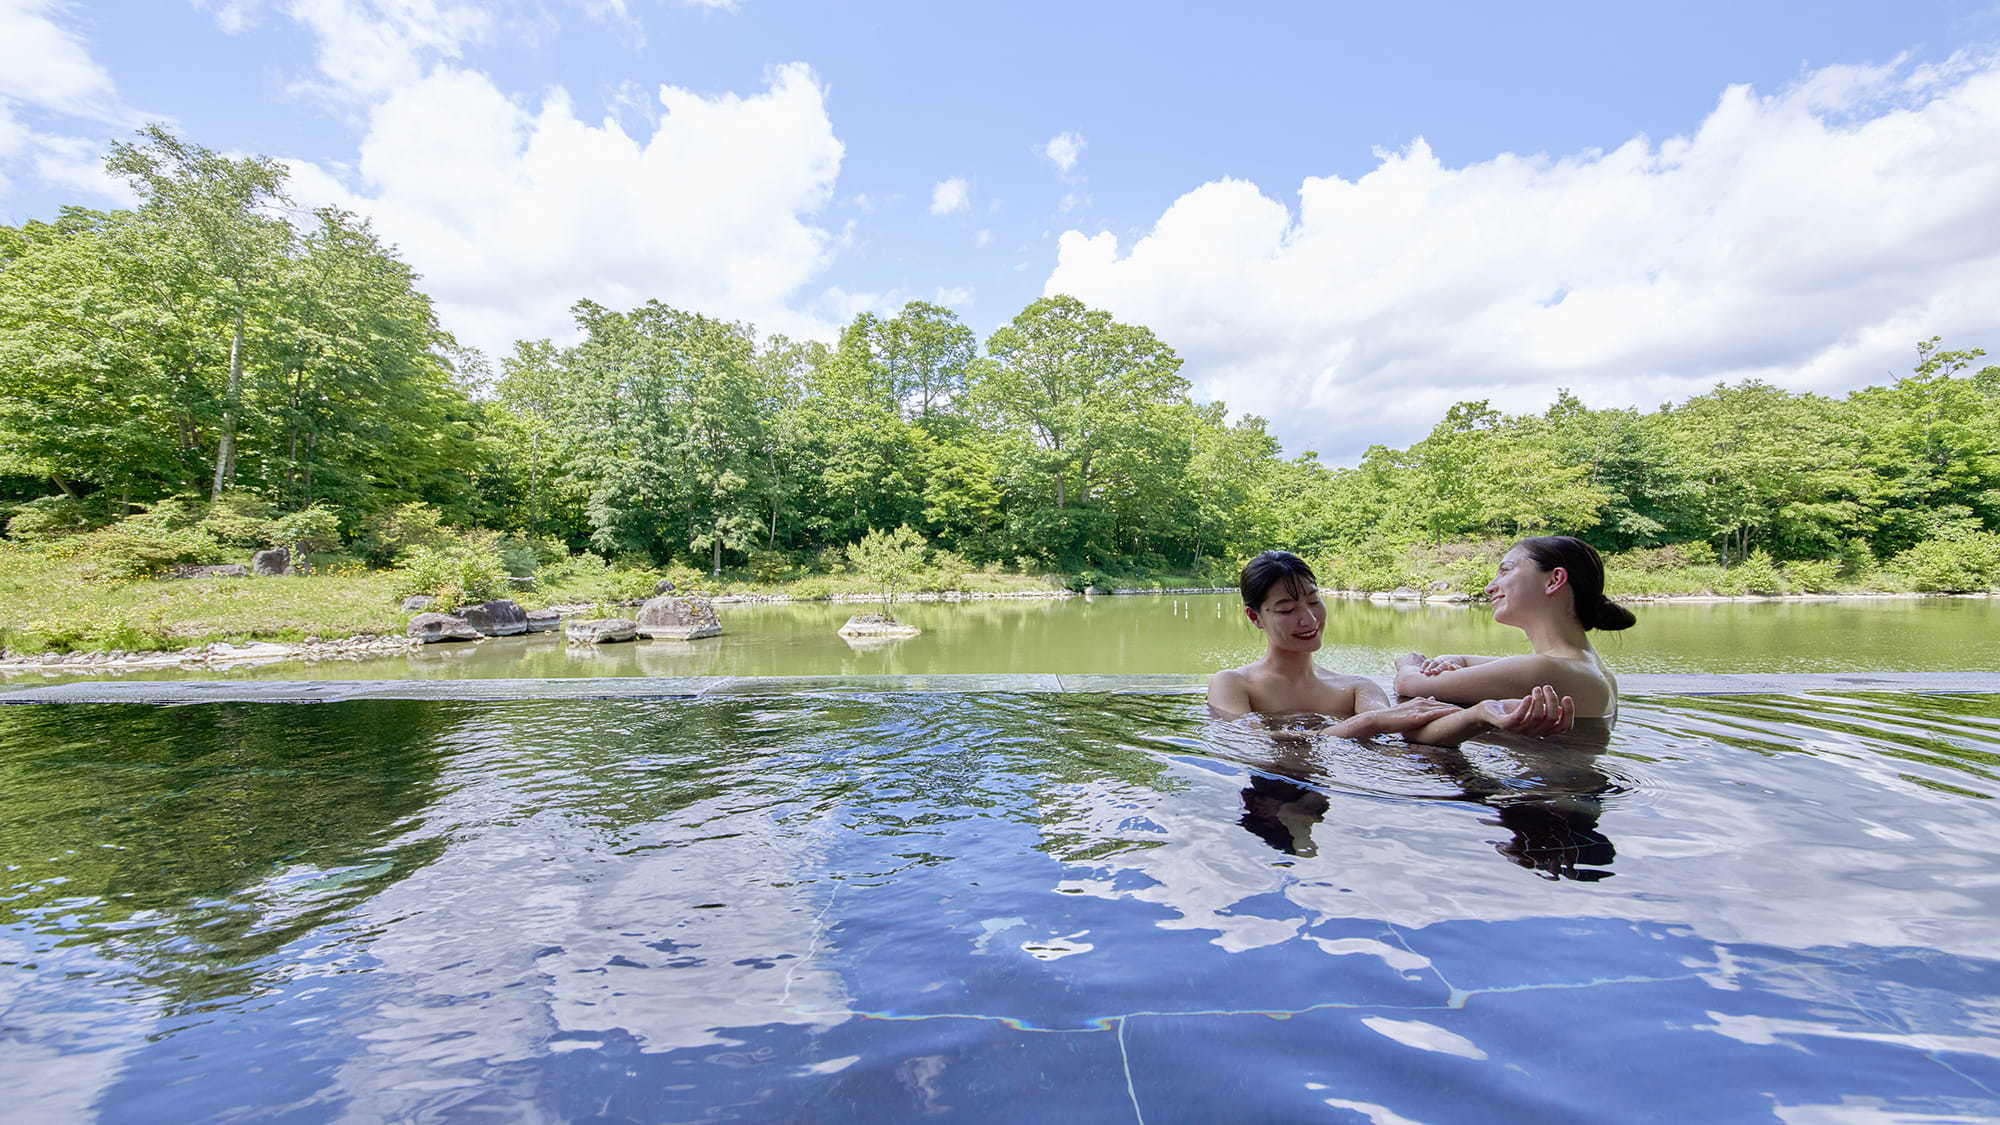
(1550,808)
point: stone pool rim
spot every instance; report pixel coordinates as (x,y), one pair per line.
(691,687)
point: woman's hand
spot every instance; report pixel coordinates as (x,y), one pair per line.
(1538,714)
(1409,715)
(1430,665)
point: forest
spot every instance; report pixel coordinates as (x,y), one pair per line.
(217,367)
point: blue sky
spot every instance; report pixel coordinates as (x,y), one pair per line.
(1631,203)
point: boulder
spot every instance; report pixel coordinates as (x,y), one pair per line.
(876,625)
(601,631)
(273,562)
(543,620)
(679,619)
(498,618)
(430,628)
(233,570)
(663,586)
(417,603)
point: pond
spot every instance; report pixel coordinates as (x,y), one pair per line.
(995,907)
(1199,634)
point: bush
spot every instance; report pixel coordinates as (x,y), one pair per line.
(1754,575)
(56,517)
(767,567)
(315,527)
(457,571)
(386,536)
(1966,564)
(1817,576)
(519,557)
(239,519)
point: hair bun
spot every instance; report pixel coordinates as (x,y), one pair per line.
(1610,615)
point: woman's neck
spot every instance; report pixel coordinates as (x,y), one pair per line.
(1557,637)
(1288,664)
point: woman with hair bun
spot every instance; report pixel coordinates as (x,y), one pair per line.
(1550,587)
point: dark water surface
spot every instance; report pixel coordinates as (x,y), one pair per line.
(1196,634)
(1008,908)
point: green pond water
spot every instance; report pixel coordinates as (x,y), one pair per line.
(1198,634)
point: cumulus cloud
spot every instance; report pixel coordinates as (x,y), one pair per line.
(952,296)
(1063,150)
(512,211)
(371,48)
(951,195)
(1808,237)
(56,101)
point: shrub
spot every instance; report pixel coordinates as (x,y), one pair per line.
(1754,575)
(1968,563)
(315,527)
(890,560)
(464,569)
(519,557)
(947,571)
(1817,576)
(767,567)
(386,536)
(55,517)
(238,519)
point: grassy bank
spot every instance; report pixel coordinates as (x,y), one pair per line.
(54,604)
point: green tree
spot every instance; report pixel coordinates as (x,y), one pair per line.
(889,559)
(216,212)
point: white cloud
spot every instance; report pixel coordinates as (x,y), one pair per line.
(1063,150)
(371,48)
(717,5)
(512,211)
(49,67)
(983,238)
(1808,238)
(952,296)
(56,102)
(951,195)
(234,17)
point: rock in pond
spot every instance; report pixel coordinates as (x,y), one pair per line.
(543,620)
(498,618)
(663,586)
(876,625)
(233,570)
(273,563)
(431,628)
(417,603)
(679,619)
(601,631)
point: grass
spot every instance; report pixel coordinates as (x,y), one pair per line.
(47,605)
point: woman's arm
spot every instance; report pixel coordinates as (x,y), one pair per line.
(1403,717)
(1506,677)
(1539,713)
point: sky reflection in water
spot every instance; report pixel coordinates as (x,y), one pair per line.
(1007,907)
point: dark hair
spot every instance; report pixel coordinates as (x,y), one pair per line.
(1268,570)
(1586,578)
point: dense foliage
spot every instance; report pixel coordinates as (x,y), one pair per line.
(214,344)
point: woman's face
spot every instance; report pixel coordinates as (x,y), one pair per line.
(1291,617)
(1522,588)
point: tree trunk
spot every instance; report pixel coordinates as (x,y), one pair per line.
(225,451)
(716,568)
(64,485)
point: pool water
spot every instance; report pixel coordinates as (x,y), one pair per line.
(994,907)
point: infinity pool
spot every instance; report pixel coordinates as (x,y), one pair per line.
(994,907)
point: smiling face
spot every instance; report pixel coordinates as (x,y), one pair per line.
(1292,616)
(1523,590)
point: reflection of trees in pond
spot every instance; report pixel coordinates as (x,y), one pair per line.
(195,841)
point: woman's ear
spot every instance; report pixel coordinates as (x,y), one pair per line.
(1558,578)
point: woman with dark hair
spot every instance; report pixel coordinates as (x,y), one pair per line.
(1550,587)
(1281,598)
